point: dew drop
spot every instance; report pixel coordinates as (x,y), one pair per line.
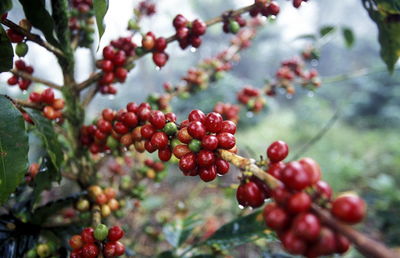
(158,68)
(193,49)
(219,175)
(111,96)
(241,207)
(24,92)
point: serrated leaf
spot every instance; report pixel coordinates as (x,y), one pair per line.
(6,52)
(5,6)
(35,11)
(46,131)
(14,147)
(326,30)
(179,230)
(100,10)
(46,176)
(239,231)
(348,36)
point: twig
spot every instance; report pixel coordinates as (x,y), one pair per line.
(89,96)
(35,79)
(26,104)
(33,37)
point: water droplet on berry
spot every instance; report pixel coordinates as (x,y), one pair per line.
(241,207)
(158,68)
(24,92)
(193,49)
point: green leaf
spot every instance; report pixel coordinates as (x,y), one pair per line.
(46,131)
(239,231)
(14,147)
(388,31)
(166,254)
(44,179)
(326,30)
(179,230)
(100,10)
(307,36)
(388,6)
(348,36)
(6,52)
(5,6)
(35,11)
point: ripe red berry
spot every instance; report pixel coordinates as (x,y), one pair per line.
(275,169)
(205,158)
(121,74)
(197,115)
(324,189)
(181,150)
(249,194)
(188,162)
(160,44)
(147,131)
(119,58)
(198,27)
(149,146)
(299,202)
(143,113)
(108,53)
(207,174)
(170,117)
(276,218)
(277,151)
(160,58)
(196,129)
(87,235)
(342,243)
(165,154)
(159,140)
(195,41)
(222,166)
(129,119)
(107,66)
(349,208)
(119,249)
(273,8)
(132,107)
(184,136)
(109,249)
(48,96)
(115,233)
(209,142)
(35,97)
(292,243)
(13,80)
(228,127)
(104,126)
(307,226)
(76,242)
(107,78)
(90,251)
(213,122)
(294,176)
(179,21)
(226,140)
(120,128)
(312,168)
(325,245)
(157,119)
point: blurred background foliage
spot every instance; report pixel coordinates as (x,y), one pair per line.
(360,149)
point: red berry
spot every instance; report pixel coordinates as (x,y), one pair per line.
(276,218)
(119,249)
(209,142)
(157,119)
(297,3)
(108,53)
(195,42)
(312,168)
(120,128)
(196,129)
(13,80)
(273,8)
(292,243)
(159,140)
(277,151)
(104,126)
(188,162)
(143,113)
(48,96)
(324,189)
(307,226)
(90,251)
(299,202)
(87,235)
(119,58)
(181,150)
(342,243)
(147,131)
(198,27)
(205,158)
(35,97)
(109,249)
(179,21)
(213,122)
(115,233)
(121,74)
(182,33)
(249,194)
(170,117)
(76,242)
(107,78)
(325,245)
(294,176)
(349,208)
(184,136)
(132,107)
(222,166)
(160,58)
(275,169)
(129,119)
(197,115)
(207,174)
(228,127)
(226,140)
(107,66)
(148,42)
(165,154)
(149,146)
(160,44)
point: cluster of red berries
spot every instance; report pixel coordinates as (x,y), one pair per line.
(147,8)
(265,8)
(195,78)
(297,3)
(52,106)
(188,33)
(156,45)
(156,165)
(232,24)
(199,138)
(81,22)
(112,65)
(23,84)
(15,36)
(228,111)
(159,102)
(251,98)
(290,214)
(92,243)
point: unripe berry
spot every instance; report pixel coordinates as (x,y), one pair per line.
(101,232)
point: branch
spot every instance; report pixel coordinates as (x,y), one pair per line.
(365,245)
(169,39)
(35,79)
(26,104)
(33,37)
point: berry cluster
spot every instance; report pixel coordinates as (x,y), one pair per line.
(92,243)
(232,24)
(156,45)
(15,36)
(113,62)
(251,98)
(228,111)
(23,84)
(265,8)
(52,107)
(81,22)
(106,198)
(159,102)
(157,166)
(290,214)
(200,136)
(188,33)
(147,8)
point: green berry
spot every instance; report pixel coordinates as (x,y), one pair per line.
(234,27)
(195,145)
(101,232)
(139,51)
(31,253)
(132,25)
(112,143)
(170,128)
(219,75)
(175,142)
(43,250)
(184,95)
(21,49)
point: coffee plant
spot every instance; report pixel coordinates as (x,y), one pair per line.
(107,166)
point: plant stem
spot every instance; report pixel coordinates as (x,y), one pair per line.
(35,79)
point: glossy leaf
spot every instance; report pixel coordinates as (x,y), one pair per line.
(6,52)
(35,11)
(100,10)
(178,231)
(44,179)
(326,30)
(5,6)
(13,148)
(348,36)
(239,231)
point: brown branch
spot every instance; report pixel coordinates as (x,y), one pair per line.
(169,39)
(365,245)
(35,79)
(26,104)
(33,37)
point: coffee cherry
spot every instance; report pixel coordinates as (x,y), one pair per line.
(213,122)
(294,176)
(119,58)
(184,136)
(88,235)
(159,140)
(157,119)
(205,158)
(109,249)
(222,166)
(196,130)
(307,226)
(249,194)
(182,34)
(312,169)
(119,249)
(35,97)
(147,131)
(234,27)
(275,218)
(349,208)
(160,44)
(325,244)
(115,233)
(194,145)
(165,154)
(299,202)
(277,151)
(49,112)
(188,162)
(90,251)
(275,169)
(58,104)
(110,193)
(120,128)
(195,41)
(342,244)
(292,243)
(170,128)
(207,174)
(121,74)
(129,119)
(113,204)
(198,27)
(132,107)
(228,127)
(101,232)
(149,146)
(76,242)
(13,80)
(297,3)
(48,96)
(108,53)
(148,42)
(273,8)
(21,49)
(226,141)
(197,115)
(107,66)
(104,126)
(181,150)
(101,199)
(179,21)
(160,58)
(209,142)
(324,189)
